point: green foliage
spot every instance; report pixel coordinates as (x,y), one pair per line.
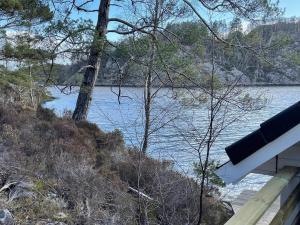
(235,36)
(167,50)
(40,186)
(236,25)
(23,46)
(189,33)
(199,49)
(123,50)
(8,51)
(266,41)
(10,6)
(30,59)
(253,37)
(23,51)
(294,58)
(27,12)
(35,10)
(169,54)
(138,47)
(19,78)
(210,175)
(209,82)
(78,33)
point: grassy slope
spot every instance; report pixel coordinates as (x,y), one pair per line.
(80,175)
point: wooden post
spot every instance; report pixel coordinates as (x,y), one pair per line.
(287,209)
(255,208)
(296,220)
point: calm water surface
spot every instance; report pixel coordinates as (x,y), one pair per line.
(172,123)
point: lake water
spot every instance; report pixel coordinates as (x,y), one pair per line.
(171,138)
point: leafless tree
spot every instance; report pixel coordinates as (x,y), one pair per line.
(96,51)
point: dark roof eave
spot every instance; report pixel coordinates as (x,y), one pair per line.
(269,130)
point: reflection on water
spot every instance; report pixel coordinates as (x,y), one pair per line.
(172,123)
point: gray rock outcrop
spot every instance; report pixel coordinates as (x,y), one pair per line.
(6,217)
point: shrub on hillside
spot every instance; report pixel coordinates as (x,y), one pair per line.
(90,172)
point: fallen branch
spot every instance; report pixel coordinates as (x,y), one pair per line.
(141,194)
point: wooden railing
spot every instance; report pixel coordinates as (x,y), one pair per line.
(256,207)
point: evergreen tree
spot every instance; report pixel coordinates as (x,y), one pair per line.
(24,12)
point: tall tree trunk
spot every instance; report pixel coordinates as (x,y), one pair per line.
(147,99)
(147,106)
(148,79)
(31,86)
(30,72)
(94,63)
(210,134)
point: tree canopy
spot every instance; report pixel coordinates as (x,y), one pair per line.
(24,12)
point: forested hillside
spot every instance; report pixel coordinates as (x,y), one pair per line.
(281,61)
(186,48)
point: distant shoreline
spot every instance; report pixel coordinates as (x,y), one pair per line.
(169,86)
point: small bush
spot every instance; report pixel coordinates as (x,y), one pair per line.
(65,129)
(67,114)
(45,114)
(90,129)
(9,135)
(8,115)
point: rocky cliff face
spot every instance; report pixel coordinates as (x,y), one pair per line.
(274,58)
(282,61)
(278,64)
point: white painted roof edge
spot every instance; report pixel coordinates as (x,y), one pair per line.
(233,173)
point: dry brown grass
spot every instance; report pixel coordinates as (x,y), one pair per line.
(64,154)
(90,171)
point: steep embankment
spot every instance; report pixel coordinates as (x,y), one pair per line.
(56,171)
